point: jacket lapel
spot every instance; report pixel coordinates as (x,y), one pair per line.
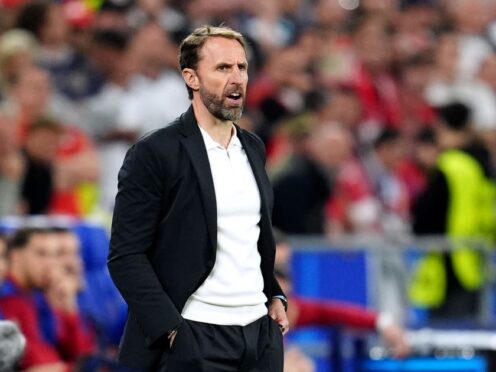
(195,147)
(257,165)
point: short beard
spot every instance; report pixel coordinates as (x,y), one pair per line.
(216,107)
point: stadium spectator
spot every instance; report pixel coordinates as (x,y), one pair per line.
(471,19)
(382,170)
(304,312)
(417,113)
(73,77)
(17,48)
(458,202)
(102,309)
(153,100)
(111,55)
(344,107)
(373,79)
(74,163)
(12,167)
(415,24)
(112,15)
(39,297)
(370,197)
(280,87)
(303,188)
(40,152)
(12,341)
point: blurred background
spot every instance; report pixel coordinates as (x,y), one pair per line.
(379,119)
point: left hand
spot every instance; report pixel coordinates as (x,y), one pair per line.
(277,312)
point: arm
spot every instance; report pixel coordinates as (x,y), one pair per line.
(309,312)
(135,220)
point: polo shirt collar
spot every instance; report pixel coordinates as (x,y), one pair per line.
(210,143)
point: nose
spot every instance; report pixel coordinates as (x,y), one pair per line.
(238,76)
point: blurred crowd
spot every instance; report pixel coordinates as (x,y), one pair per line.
(379,116)
(346,95)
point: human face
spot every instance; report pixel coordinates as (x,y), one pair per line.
(222,75)
(68,253)
(38,260)
(33,91)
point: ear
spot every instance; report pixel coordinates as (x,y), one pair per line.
(191,78)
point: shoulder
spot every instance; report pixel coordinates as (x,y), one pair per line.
(154,153)
(158,144)
(161,137)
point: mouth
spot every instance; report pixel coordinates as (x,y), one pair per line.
(234,98)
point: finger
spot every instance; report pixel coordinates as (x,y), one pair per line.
(284,328)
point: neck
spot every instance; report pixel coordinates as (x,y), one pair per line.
(219,130)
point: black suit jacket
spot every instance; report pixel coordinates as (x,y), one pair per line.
(164,232)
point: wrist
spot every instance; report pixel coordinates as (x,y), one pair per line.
(283,300)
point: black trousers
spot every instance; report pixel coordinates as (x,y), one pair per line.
(202,347)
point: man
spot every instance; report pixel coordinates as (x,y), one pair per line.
(50,320)
(192,249)
(382,166)
(458,202)
(302,189)
(69,257)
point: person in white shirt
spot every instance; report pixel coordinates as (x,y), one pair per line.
(192,249)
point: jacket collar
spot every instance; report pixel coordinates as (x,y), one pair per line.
(195,147)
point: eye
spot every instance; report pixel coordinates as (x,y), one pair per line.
(242,67)
(223,68)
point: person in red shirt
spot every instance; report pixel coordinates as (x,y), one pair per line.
(43,302)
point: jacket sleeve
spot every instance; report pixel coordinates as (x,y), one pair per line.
(276,289)
(135,221)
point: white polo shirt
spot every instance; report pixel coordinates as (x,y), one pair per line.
(233,292)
